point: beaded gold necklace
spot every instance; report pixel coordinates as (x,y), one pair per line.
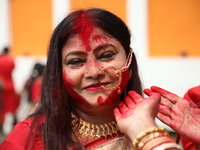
(93,130)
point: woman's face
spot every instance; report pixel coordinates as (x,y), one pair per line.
(83,60)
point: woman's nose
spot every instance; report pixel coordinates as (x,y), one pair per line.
(93,69)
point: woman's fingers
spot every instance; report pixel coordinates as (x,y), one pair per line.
(166,94)
(152,95)
(163,118)
(117,113)
(129,101)
(135,96)
(123,107)
(164,110)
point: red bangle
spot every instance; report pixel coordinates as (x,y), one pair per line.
(157,141)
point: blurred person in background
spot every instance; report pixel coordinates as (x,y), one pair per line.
(10,99)
(31,93)
(33,84)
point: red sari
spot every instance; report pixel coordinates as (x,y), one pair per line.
(17,139)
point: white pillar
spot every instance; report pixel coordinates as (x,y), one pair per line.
(60,8)
(137,16)
(4,24)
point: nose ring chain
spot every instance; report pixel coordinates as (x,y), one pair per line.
(118,74)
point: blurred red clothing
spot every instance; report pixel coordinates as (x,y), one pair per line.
(193,96)
(17,139)
(10,99)
(35,91)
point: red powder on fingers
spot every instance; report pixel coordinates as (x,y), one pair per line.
(126,113)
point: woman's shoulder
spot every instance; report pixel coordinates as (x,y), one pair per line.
(21,129)
(19,135)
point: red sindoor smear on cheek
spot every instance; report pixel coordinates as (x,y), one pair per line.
(113,95)
(85,29)
(78,99)
(100,99)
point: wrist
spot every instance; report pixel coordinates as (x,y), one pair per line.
(154,138)
(134,132)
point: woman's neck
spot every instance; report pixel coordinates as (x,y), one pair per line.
(98,115)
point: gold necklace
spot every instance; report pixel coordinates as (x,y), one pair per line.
(93,130)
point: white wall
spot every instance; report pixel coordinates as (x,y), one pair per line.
(171,73)
(4,24)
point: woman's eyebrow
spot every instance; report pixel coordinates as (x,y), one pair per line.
(104,46)
(76,53)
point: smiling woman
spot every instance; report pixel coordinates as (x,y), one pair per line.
(78,82)
(90,67)
(83,74)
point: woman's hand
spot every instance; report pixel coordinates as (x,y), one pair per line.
(179,114)
(136,113)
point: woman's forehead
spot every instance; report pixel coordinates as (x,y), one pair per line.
(95,39)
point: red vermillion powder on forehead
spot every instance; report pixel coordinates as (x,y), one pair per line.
(100,39)
(85,29)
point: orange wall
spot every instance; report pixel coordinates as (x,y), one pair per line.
(174,27)
(118,7)
(31,26)
(32,22)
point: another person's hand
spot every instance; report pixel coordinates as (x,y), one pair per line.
(179,114)
(136,113)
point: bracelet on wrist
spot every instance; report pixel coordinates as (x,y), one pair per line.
(154,138)
(148,134)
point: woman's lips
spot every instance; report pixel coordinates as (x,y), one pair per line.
(95,87)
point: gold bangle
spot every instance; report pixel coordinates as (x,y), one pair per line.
(152,130)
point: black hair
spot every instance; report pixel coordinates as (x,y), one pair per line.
(56,104)
(5,50)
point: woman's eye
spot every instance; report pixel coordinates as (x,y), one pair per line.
(107,55)
(75,62)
